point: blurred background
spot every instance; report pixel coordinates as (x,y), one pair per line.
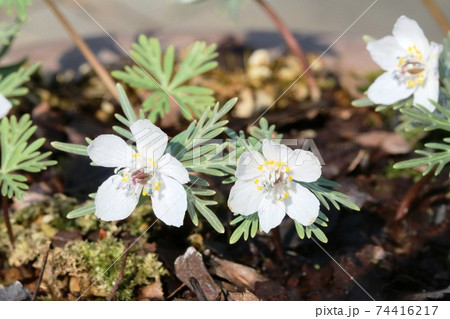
(317,23)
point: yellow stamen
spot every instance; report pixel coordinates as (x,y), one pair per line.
(260,167)
(281,199)
(124,179)
(278,164)
(272,162)
(286,195)
(144,193)
(154,163)
(256,181)
(290,178)
(287,169)
(259,188)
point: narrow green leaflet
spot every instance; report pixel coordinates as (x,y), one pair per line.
(199,153)
(16,7)
(18,154)
(155,73)
(11,85)
(81,211)
(438,156)
(431,120)
(71,148)
(249,226)
(322,189)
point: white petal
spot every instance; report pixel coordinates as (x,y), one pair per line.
(170,202)
(244,198)
(170,166)
(5,106)
(304,166)
(248,164)
(385,52)
(408,33)
(113,203)
(302,205)
(387,90)
(150,140)
(271,213)
(275,152)
(429,90)
(110,151)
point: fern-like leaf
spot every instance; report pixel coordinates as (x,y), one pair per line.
(155,73)
(19,155)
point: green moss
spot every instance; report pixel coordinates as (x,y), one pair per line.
(95,260)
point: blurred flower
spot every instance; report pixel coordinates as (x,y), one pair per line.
(148,171)
(411,65)
(5,106)
(266,184)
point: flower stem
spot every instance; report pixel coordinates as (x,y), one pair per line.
(278,244)
(294,46)
(102,73)
(122,269)
(41,273)
(5,208)
(437,14)
(411,195)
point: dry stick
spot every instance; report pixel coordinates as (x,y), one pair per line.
(88,54)
(411,195)
(119,277)
(294,46)
(41,273)
(437,14)
(5,208)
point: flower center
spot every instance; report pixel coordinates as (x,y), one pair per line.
(276,181)
(144,172)
(410,68)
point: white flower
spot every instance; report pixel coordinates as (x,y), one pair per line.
(148,171)
(411,66)
(266,185)
(5,106)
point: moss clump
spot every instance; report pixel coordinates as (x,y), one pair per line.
(89,263)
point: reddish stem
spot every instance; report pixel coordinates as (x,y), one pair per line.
(294,46)
(438,15)
(86,51)
(5,208)
(411,195)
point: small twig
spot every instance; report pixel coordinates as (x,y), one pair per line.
(294,46)
(176,291)
(41,273)
(411,195)
(438,15)
(86,51)
(119,277)
(5,208)
(197,289)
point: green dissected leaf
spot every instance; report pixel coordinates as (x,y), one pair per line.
(155,73)
(11,85)
(431,120)
(438,157)
(199,153)
(249,225)
(326,195)
(17,7)
(19,155)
